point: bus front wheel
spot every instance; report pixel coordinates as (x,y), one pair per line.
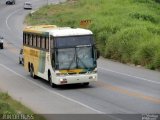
(86,84)
(50,80)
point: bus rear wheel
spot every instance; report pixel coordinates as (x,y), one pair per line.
(32,72)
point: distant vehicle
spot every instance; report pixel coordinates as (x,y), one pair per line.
(60,55)
(27,5)
(9,2)
(1,42)
(21,57)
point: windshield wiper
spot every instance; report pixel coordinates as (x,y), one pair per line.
(76,58)
(82,63)
(73,60)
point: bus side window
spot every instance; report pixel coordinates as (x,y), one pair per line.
(23,38)
(47,43)
(34,41)
(52,51)
(51,43)
(27,41)
(31,39)
(38,42)
(43,42)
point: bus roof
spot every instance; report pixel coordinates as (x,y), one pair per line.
(57,31)
(39,28)
(69,32)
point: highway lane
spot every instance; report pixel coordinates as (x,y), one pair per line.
(9,57)
(120,89)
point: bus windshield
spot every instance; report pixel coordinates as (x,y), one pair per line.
(75,58)
(72,41)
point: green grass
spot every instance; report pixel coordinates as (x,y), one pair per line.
(10,107)
(125,30)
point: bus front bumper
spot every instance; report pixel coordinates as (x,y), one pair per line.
(73,79)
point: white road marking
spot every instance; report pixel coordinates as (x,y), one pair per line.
(124,74)
(53,92)
(9,17)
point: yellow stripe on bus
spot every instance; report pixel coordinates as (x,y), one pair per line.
(72,71)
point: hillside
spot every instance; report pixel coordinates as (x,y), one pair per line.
(125,30)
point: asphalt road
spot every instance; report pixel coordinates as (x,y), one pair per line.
(121,89)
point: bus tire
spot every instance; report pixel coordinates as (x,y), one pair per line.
(86,84)
(32,72)
(50,80)
(20,62)
(29,67)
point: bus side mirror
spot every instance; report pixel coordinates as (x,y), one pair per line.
(98,54)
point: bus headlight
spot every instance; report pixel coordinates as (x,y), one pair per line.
(92,77)
(63,80)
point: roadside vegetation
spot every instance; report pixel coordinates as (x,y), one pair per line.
(11,109)
(125,30)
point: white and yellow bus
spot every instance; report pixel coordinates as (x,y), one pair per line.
(60,55)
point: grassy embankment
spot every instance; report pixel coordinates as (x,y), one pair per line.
(11,109)
(125,30)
